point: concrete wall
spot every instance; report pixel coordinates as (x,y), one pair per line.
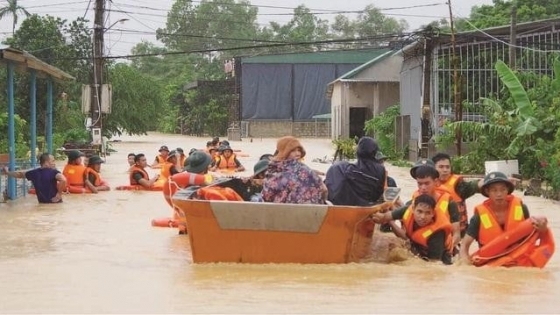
(385,94)
(360,94)
(411,97)
(336,103)
(280,128)
(386,70)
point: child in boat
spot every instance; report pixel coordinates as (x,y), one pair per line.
(256,181)
(500,213)
(288,180)
(429,230)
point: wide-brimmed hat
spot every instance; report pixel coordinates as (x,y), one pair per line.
(163,148)
(95,160)
(74,154)
(260,167)
(421,162)
(192,150)
(171,155)
(197,162)
(225,142)
(496,177)
(225,148)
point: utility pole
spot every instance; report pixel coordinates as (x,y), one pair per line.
(513,37)
(456,95)
(98,65)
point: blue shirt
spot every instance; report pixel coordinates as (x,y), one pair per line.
(44,181)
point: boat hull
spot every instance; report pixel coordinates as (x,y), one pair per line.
(245,232)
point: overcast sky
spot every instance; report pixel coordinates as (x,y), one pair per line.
(149,15)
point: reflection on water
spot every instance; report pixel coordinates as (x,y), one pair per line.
(99,254)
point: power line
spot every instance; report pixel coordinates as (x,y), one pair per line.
(277,45)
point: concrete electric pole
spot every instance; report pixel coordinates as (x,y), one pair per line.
(98,69)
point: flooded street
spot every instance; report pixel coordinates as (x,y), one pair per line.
(99,254)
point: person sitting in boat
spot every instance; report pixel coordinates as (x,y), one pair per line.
(429,230)
(357,184)
(74,170)
(500,213)
(288,180)
(227,161)
(161,158)
(138,174)
(48,182)
(92,179)
(254,190)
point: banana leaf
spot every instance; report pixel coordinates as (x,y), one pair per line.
(518,93)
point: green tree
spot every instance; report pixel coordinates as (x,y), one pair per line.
(58,43)
(138,102)
(499,13)
(13,9)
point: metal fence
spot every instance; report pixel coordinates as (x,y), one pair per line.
(22,185)
(535,52)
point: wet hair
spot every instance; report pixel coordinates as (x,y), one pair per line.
(267,156)
(425,199)
(44,158)
(440,157)
(138,156)
(425,171)
(131,154)
(209,143)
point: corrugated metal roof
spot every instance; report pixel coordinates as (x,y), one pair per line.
(320,57)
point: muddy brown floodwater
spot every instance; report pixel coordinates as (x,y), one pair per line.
(99,254)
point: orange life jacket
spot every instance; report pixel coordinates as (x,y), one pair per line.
(218,193)
(165,171)
(134,169)
(450,187)
(522,246)
(442,201)
(421,235)
(74,174)
(223,163)
(88,171)
(489,226)
(160,159)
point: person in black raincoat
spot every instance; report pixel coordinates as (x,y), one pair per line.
(357,184)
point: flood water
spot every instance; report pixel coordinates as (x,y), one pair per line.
(99,254)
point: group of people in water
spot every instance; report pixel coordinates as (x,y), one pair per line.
(435,219)
(78,176)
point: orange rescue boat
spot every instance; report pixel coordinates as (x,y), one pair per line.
(251,232)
